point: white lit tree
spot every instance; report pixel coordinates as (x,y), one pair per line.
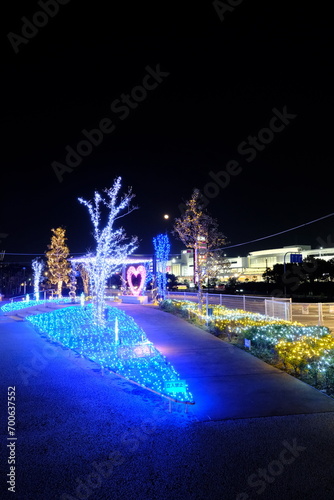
(37,267)
(112,245)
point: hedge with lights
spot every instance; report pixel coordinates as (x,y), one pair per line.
(271,334)
(306,351)
(223,318)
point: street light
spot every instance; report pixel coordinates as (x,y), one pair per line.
(284,264)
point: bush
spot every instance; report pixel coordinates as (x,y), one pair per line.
(269,335)
(304,351)
(167,306)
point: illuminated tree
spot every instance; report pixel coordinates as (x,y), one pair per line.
(111,249)
(58,266)
(162,248)
(37,266)
(199,231)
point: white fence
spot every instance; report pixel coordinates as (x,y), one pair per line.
(278,309)
(314,313)
(274,307)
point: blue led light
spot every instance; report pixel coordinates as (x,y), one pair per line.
(129,353)
(162,248)
(16,306)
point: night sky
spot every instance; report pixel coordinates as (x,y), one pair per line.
(221,82)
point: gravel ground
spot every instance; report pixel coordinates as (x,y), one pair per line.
(82,435)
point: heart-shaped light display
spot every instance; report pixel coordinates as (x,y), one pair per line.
(139,271)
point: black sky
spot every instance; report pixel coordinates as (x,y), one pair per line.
(225,78)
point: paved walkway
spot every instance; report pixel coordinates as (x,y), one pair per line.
(83,435)
(226,381)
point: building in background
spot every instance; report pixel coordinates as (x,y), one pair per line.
(182,266)
(250,267)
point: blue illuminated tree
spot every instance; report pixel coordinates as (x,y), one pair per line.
(111,249)
(162,249)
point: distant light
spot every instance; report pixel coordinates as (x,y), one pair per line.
(166,216)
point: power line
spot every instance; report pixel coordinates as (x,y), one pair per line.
(276,234)
(223,248)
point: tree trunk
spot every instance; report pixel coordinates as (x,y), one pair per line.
(200,296)
(197,279)
(85,279)
(98,288)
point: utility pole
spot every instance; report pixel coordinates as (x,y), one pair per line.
(297,260)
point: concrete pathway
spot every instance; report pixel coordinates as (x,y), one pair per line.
(226,381)
(84,435)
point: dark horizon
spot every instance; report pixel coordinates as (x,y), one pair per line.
(238,108)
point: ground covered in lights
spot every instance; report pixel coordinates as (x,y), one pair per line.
(23,304)
(132,356)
